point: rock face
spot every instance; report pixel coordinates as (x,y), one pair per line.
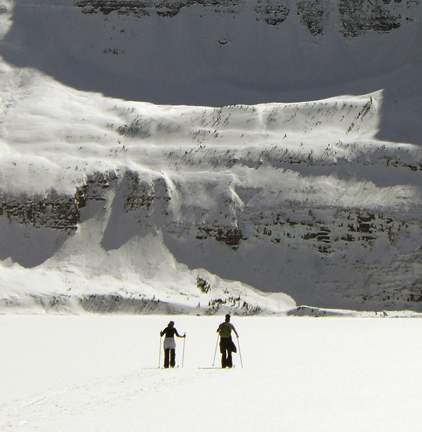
(356,16)
(318,198)
(52,211)
(160,8)
(328,256)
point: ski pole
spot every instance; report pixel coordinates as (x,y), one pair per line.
(159,354)
(183,355)
(240,353)
(215,352)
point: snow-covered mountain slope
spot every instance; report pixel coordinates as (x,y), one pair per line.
(223,52)
(118,205)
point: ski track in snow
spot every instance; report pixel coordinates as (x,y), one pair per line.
(86,399)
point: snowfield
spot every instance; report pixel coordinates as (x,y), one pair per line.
(93,373)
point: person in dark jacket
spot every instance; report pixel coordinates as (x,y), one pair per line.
(226,343)
(170,344)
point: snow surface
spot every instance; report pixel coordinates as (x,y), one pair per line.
(93,373)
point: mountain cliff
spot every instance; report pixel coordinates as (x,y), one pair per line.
(286,158)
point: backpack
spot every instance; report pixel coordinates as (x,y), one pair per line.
(225,330)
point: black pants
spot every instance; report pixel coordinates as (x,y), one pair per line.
(226,348)
(169,357)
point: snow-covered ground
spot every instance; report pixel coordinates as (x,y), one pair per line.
(93,373)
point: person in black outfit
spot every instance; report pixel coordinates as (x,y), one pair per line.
(170,344)
(226,343)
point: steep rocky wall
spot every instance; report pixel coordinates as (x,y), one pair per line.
(327,256)
(293,198)
(356,16)
(300,198)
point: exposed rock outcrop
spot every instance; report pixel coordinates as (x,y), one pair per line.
(357,16)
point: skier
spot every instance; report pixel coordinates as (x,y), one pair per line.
(226,344)
(170,344)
